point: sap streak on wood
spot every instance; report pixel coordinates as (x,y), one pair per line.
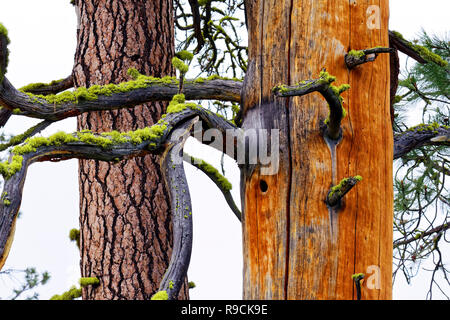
(291,41)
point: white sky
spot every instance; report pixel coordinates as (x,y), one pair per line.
(42,46)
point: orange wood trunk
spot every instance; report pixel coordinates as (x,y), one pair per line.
(293,247)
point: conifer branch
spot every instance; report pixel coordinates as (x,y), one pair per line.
(419,136)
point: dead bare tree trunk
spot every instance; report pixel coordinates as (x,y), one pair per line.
(295,246)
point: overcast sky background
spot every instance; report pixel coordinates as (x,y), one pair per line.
(43,42)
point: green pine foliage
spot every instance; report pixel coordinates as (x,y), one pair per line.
(422,199)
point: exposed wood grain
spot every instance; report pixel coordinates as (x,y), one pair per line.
(294,246)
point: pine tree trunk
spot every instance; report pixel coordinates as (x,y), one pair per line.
(125,223)
(294,248)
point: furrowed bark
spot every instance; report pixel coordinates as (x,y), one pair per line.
(126,228)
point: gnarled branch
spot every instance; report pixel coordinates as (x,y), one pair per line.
(109,146)
(332,95)
(128,94)
(419,136)
(175,178)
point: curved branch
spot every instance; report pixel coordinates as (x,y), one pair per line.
(219,180)
(108,97)
(324,86)
(419,136)
(175,178)
(109,146)
(53,87)
(195,9)
(27,134)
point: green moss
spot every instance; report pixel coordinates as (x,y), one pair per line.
(180,65)
(8,169)
(185,55)
(92,93)
(191,285)
(357,53)
(179,104)
(424,52)
(429,56)
(171,284)
(325,77)
(71,294)
(338,188)
(219,178)
(358,275)
(160,295)
(39,85)
(74,235)
(89,281)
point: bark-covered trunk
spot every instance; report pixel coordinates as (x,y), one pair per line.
(294,246)
(125,223)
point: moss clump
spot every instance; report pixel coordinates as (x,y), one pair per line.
(104,140)
(171,284)
(71,294)
(185,55)
(209,169)
(326,78)
(338,188)
(8,169)
(4,33)
(424,52)
(426,128)
(39,85)
(191,285)
(160,295)
(357,53)
(357,276)
(89,281)
(428,55)
(74,235)
(179,104)
(180,65)
(92,93)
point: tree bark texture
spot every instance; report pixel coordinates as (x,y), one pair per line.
(126,231)
(295,247)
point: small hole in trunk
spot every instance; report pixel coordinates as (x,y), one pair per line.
(263,185)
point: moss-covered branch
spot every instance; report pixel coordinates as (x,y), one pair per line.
(356,57)
(181,210)
(339,191)
(419,136)
(419,53)
(52,88)
(219,180)
(109,146)
(331,93)
(18,139)
(115,96)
